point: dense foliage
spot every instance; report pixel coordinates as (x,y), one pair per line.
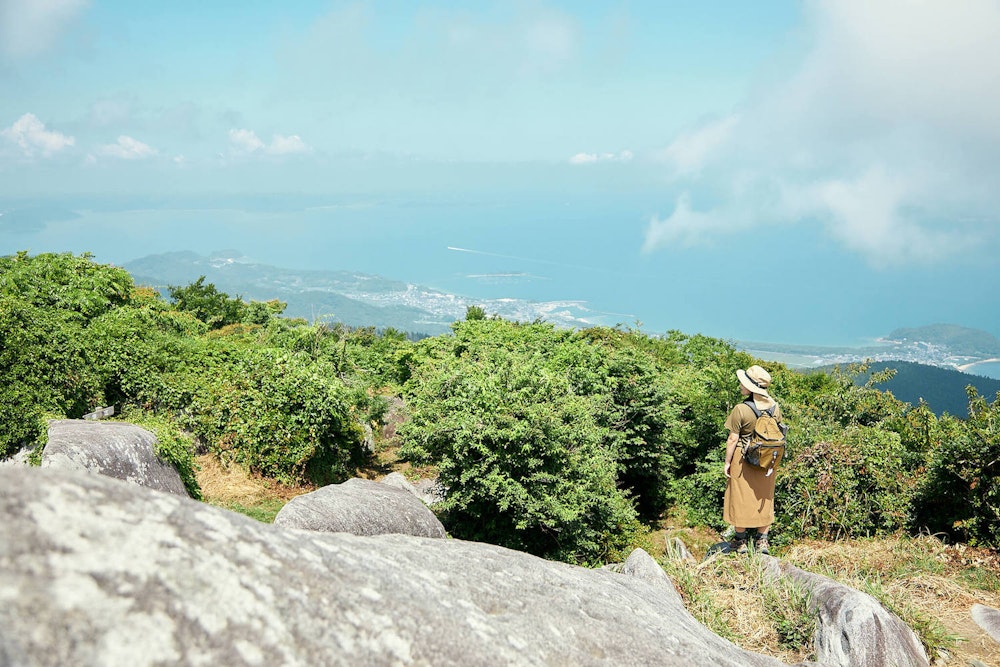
(567,444)
(942,389)
(77,335)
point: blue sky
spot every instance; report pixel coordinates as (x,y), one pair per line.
(828,142)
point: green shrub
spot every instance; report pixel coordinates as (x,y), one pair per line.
(521,457)
(960,494)
(281,415)
(849,486)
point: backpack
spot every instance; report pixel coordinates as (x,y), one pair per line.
(765,445)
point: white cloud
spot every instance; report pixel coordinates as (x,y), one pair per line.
(690,151)
(592,158)
(282,145)
(246,142)
(30,135)
(886,132)
(127,148)
(686,227)
(31,27)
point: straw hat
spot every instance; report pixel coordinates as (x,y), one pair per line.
(755,379)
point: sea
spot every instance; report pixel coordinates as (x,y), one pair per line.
(990,369)
(788,284)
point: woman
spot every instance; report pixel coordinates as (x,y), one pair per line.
(749,501)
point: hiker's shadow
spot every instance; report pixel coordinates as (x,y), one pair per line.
(720,548)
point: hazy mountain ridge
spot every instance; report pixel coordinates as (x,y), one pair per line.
(354,298)
(942,389)
(960,340)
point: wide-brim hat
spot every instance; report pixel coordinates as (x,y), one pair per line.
(755,379)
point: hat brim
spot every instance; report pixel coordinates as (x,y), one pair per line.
(748,383)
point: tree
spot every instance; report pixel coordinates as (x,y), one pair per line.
(208,304)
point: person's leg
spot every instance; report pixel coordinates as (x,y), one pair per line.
(739,541)
(761,543)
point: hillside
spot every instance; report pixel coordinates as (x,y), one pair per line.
(352,298)
(343,296)
(960,340)
(943,389)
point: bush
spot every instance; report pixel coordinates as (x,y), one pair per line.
(521,456)
(851,486)
(281,415)
(960,494)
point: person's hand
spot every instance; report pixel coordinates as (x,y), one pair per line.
(726,469)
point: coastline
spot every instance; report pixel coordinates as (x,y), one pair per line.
(965,367)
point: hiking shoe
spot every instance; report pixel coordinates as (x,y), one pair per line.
(738,544)
(761,545)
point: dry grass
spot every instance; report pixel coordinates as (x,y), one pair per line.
(233,488)
(931,585)
(734,598)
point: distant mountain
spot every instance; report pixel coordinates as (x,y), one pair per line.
(960,340)
(943,389)
(943,345)
(353,298)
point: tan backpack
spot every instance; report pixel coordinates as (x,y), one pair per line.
(765,445)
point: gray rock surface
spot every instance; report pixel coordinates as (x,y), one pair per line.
(360,507)
(114,449)
(97,572)
(18,460)
(428,490)
(854,629)
(988,619)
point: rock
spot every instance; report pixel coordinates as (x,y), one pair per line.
(360,507)
(677,550)
(641,565)
(988,619)
(18,460)
(395,416)
(854,629)
(368,442)
(428,490)
(114,449)
(97,572)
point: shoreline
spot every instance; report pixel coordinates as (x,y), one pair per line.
(965,367)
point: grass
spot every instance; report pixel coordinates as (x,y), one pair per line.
(234,489)
(923,581)
(930,585)
(737,600)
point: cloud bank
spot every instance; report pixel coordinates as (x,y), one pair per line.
(28,133)
(593,158)
(127,148)
(886,132)
(246,142)
(29,28)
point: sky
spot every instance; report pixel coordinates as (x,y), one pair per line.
(837,158)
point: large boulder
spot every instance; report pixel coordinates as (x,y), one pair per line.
(988,619)
(114,449)
(428,490)
(97,572)
(19,459)
(854,629)
(361,507)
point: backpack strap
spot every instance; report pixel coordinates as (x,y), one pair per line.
(757,413)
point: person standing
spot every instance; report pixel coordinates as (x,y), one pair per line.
(749,499)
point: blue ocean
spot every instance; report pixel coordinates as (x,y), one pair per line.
(782,285)
(990,369)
